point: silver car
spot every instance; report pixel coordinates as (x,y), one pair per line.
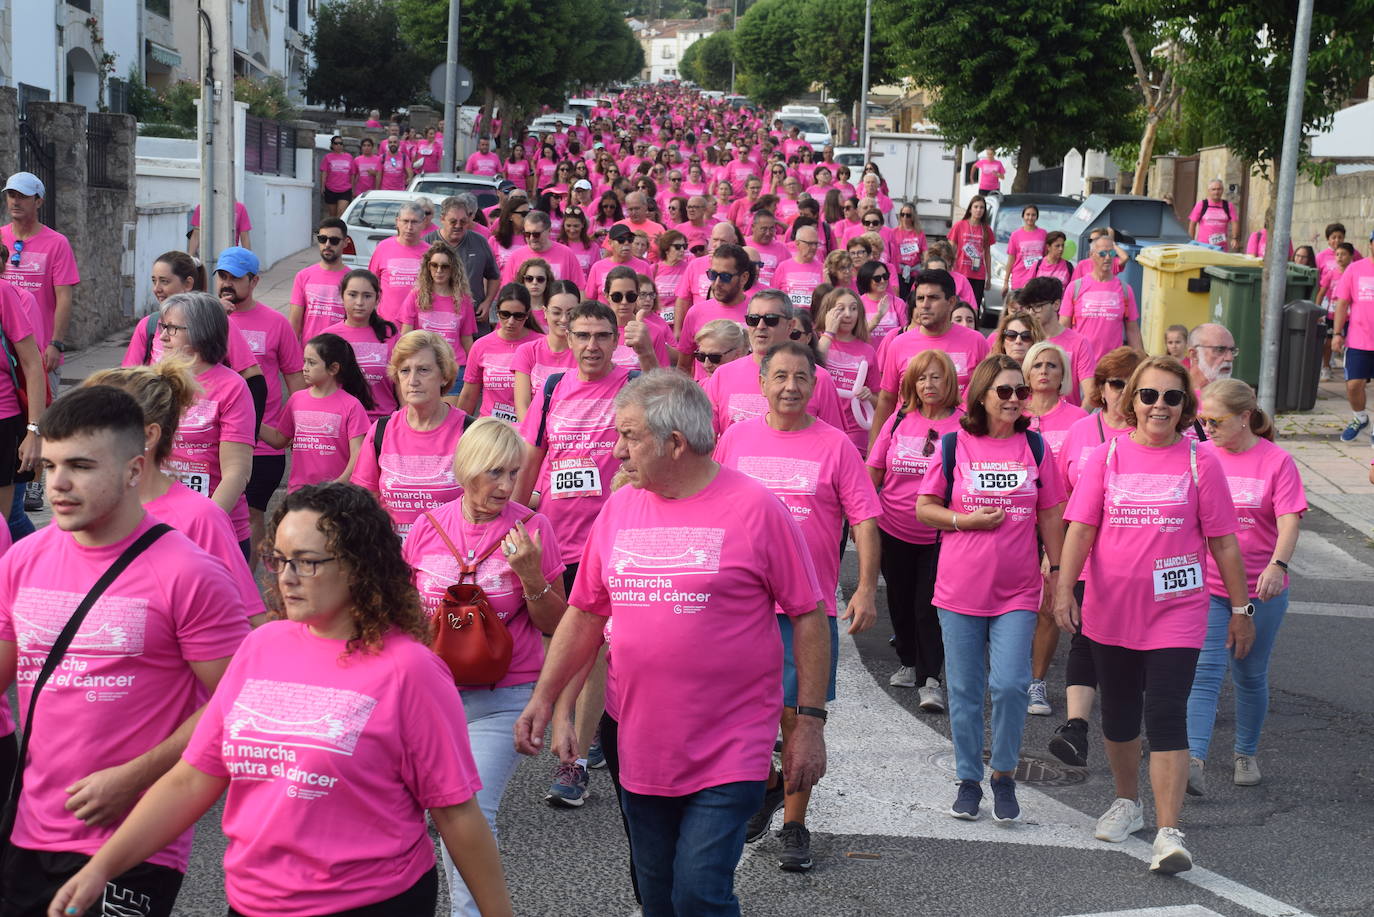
(371,217)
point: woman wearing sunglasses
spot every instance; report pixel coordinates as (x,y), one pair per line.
(1015,333)
(999,490)
(901,455)
(884,313)
(1148,508)
(489,377)
(1268,494)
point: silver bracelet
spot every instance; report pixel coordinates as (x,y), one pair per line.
(542,593)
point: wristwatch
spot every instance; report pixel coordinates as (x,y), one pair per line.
(818,712)
(61,347)
(1248,609)
(32,428)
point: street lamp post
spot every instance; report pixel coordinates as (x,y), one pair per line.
(863,91)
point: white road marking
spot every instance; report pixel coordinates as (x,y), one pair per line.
(1334,611)
(1318,558)
(1186,910)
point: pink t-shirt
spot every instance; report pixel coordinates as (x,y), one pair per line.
(972,243)
(396,266)
(1025,248)
(695,286)
(201,520)
(365,169)
(667,277)
(1082,439)
(799,281)
(414,473)
(1060,270)
(393,171)
(223,413)
(1148,508)
(278,351)
(127,665)
(772,254)
(736,395)
(579,433)
(1099,310)
(372,356)
(904,449)
(562,262)
(1264,484)
(990,172)
(909,244)
(451,322)
(320,430)
(816,474)
(491,365)
(964,346)
(1213,220)
(316,291)
(16,318)
(337,169)
(892,322)
(1082,362)
(436,569)
(483,164)
(317,748)
(586,254)
(707,572)
(239,357)
(1357,285)
(1053,426)
(45,264)
(843,361)
(1002,474)
(518,171)
(595,286)
(242,222)
(536,360)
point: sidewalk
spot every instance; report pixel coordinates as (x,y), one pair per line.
(1336,473)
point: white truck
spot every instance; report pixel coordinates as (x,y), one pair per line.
(919,168)
(809,122)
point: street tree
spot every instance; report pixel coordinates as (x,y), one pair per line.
(830,49)
(706,61)
(346,72)
(766,40)
(1159,91)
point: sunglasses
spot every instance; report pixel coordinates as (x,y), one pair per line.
(619,297)
(18,247)
(533,278)
(1173,397)
(507,316)
(329,240)
(535,235)
(678,246)
(796,334)
(931,437)
(1025,336)
(1215,422)
(712,358)
(770,319)
(722,277)
(907,216)
(1005,392)
(873,222)
(880,278)
(1117,384)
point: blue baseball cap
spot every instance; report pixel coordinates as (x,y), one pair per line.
(237,262)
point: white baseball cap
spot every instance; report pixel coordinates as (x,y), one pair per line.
(25,183)
(582,185)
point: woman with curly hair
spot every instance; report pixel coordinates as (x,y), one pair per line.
(333,731)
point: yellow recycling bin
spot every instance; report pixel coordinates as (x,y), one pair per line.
(1174,289)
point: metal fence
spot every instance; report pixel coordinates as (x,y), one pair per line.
(269,147)
(99,143)
(37,156)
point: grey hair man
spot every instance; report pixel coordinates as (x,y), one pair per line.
(456,215)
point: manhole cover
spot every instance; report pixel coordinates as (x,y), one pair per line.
(1028,770)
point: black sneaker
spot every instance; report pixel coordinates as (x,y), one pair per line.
(33,496)
(796,847)
(1070,743)
(1004,804)
(966,803)
(760,820)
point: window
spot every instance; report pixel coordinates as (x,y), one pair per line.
(162,8)
(80,4)
(668,52)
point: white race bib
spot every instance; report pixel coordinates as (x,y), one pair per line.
(574,477)
(1178,579)
(909,248)
(504,412)
(1030,261)
(975,257)
(998,482)
(198,481)
(1217,238)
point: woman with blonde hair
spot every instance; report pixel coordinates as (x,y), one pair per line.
(720,341)
(850,358)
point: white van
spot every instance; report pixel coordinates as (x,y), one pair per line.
(808,119)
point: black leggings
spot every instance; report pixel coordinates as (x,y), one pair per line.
(1079,670)
(978,286)
(1153,683)
(610,748)
(420,898)
(909,571)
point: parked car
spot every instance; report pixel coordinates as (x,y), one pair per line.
(371,217)
(809,121)
(1056,210)
(852,156)
(439,185)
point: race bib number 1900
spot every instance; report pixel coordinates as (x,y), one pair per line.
(574,477)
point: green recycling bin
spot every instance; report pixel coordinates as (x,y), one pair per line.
(1235,300)
(1301,283)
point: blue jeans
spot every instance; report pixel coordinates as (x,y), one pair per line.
(491,717)
(1249,675)
(970,643)
(686,847)
(19,522)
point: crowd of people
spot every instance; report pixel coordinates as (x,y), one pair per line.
(642,422)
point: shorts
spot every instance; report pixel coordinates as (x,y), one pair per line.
(30,878)
(12,433)
(1359,364)
(789,667)
(337,197)
(420,898)
(1152,685)
(264,481)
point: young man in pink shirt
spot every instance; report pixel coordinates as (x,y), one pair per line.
(694,287)
(316,302)
(42,263)
(690,554)
(1354,297)
(396,260)
(730,273)
(484,161)
(118,713)
(279,353)
(820,477)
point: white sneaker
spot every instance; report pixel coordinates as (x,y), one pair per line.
(1124,818)
(1197,779)
(905,677)
(1247,771)
(930,697)
(1326,374)
(1038,704)
(1170,856)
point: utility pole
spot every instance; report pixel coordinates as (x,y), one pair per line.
(450,147)
(1276,250)
(734,24)
(863,92)
(219,137)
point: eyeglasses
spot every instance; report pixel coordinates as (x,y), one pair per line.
(1219,350)
(1025,336)
(873,222)
(301,566)
(1215,422)
(508,316)
(329,240)
(1173,397)
(880,278)
(721,276)
(702,356)
(619,297)
(18,247)
(536,278)
(585,337)
(770,319)
(170,328)
(1005,392)
(535,235)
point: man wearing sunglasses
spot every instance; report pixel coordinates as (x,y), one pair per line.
(315,299)
(694,287)
(539,243)
(734,388)
(730,273)
(41,262)
(1102,307)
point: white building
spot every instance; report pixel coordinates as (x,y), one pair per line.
(666,40)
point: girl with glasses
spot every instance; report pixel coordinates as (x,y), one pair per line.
(991,490)
(901,455)
(849,357)
(537,359)
(489,379)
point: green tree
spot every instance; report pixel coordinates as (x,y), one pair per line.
(838,60)
(766,42)
(706,61)
(1042,90)
(381,72)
